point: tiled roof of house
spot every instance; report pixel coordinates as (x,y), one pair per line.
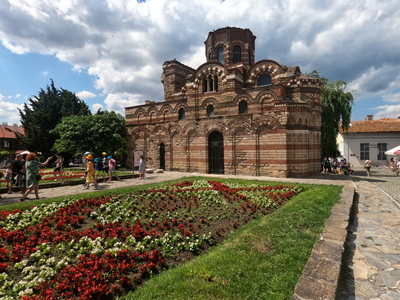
(8,132)
(381,125)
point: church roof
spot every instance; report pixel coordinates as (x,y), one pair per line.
(381,125)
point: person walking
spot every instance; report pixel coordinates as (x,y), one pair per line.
(112,165)
(7,177)
(98,166)
(398,168)
(16,168)
(59,167)
(142,167)
(90,175)
(367,166)
(106,169)
(32,167)
(22,176)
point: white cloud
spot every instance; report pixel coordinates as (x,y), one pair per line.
(96,107)
(85,95)
(387,111)
(9,111)
(118,102)
(123,44)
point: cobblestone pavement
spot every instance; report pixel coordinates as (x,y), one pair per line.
(373,253)
(373,256)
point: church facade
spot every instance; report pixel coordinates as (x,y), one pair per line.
(231,115)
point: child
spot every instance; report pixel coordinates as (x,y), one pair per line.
(59,167)
(99,168)
(112,164)
(90,177)
(7,177)
(106,169)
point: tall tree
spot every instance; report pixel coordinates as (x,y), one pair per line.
(42,115)
(336,112)
(102,132)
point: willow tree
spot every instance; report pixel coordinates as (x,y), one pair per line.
(336,106)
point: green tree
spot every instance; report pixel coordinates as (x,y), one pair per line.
(102,132)
(4,154)
(42,115)
(336,106)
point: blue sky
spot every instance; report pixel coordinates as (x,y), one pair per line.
(110,53)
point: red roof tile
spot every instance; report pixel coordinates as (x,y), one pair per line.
(381,125)
(8,131)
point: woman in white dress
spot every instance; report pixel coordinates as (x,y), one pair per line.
(142,167)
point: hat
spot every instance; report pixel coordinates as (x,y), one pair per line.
(104,153)
(89,157)
(109,157)
(96,159)
(86,153)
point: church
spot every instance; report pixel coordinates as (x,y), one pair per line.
(231,115)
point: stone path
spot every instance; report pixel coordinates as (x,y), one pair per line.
(374,241)
(373,246)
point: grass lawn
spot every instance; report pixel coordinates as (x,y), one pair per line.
(256,249)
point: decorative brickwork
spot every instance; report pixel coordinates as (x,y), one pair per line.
(231,115)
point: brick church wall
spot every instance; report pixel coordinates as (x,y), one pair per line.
(278,135)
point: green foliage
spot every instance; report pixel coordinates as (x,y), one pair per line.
(4,154)
(336,112)
(42,115)
(104,131)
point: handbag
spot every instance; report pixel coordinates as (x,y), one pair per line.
(38,177)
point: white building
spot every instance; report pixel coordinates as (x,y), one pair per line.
(369,139)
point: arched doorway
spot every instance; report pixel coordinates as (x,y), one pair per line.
(162,156)
(216,153)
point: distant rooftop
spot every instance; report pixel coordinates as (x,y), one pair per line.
(371,125)
(8,130)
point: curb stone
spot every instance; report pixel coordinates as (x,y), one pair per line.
(321,275)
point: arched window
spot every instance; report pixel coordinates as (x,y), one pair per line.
(139,117)
(264,80)
(210,111)
(220,54)
(152,115)
(210,84)
(181,113)
(166,112)
(243,107)
(237,54)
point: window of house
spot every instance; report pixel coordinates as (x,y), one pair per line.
(7,144)
(181,114)
(210,111)
(243,107)
(237,54)
(364,151)
(264,80)
(220,54)
(382,148)
(210,83)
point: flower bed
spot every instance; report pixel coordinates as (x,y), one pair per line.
(48,175)
(101,247)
